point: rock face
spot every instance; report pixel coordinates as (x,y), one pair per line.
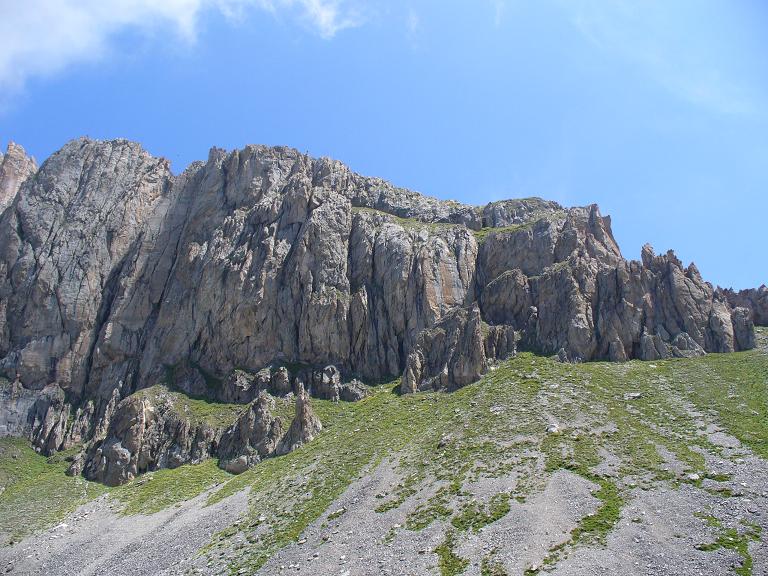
(755,300)
(263,269)
(71,243)
(19,414)
(258,434)
(605,307)
(15,168)
(146,432)
(455,352)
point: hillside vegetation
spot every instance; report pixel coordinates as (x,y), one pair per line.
(459,462)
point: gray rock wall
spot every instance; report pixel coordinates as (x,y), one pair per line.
(754,299)
(15,168)
(112,270)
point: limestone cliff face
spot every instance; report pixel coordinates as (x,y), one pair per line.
(15,168)
(755,300)
(70,240)
(115,273)
(145,432)
(273,263)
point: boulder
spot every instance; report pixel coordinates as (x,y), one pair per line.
(254,436)
(326,383)
(353,391)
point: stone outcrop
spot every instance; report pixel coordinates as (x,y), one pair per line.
(304,427)
(15,168)
(253,437)
(456,352)
(263,270)
(45,416)
(516,212)
(604,307)
(660,302)
(17,403)
(743,329)
(22,411)
(328,384)
(258,434)
(755,300)
(151,429)
(146,432)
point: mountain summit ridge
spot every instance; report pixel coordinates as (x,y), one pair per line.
(265,269)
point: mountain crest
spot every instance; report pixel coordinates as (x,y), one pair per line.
(112,269)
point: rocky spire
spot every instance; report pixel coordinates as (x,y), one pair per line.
(15,168)
(305,426)
(254,436)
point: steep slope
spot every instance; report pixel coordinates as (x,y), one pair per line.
(540,467)
(264,269)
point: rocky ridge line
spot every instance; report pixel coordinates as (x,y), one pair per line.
(112,270)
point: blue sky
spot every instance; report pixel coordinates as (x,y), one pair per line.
(655,110)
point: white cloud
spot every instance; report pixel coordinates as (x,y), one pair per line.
(42,37)
(327,17)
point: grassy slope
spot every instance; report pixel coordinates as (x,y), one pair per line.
(494,426)
(34,492)
(198,410)
(447,440)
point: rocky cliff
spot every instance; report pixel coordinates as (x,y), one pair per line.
(755,300)
(266,271)
(15,168)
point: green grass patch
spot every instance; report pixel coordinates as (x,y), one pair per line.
(491,567)
(35,494)
(215,414)
(436,508)
(732,539)
(475,516)
(595,527)
(155,491)
(448,561)
(483,234)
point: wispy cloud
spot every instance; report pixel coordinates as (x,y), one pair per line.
(413,25)
(328,16)
(42,37)
(499,7)
(642,35)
